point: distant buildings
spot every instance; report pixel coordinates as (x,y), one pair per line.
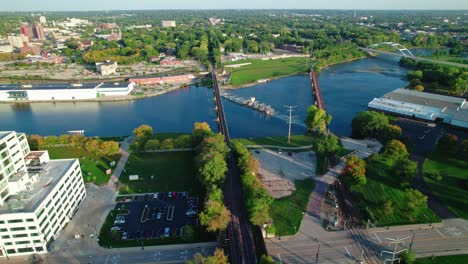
(106,26)
(42,19)
(18,41)
(74,22)
(62,92)
(170,61)
(39,32)
(114,36)
(214,21)
(27,31)
(38,197)
(106,68)
(168,23)
(26,49)
(50,59)
(83,44)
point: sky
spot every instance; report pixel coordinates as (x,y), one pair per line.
(85,5)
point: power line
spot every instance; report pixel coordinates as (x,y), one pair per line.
(290,110)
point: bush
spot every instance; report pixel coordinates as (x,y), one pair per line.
(435,175)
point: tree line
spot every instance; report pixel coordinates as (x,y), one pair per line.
(96,146)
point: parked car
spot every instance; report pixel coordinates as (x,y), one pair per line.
(156,196)
(119,221)
(153,215)
(169,195)
(191,212)
(280,151)
(148,234)
(174,194)
(166,232)
(124,235)
(116,228)
(158,216)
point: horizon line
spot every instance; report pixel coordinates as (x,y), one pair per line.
(220,9)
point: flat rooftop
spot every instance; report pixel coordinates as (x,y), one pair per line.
(28,201)
(61,86)
(4,134)
(427,99)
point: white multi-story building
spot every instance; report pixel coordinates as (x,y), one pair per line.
(168,23)
(38,196)
(62,92)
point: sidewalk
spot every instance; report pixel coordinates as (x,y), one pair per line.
(124,150)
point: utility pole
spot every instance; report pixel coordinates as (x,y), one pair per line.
(317,255)
(290,110)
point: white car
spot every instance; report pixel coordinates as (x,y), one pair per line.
(156,195)
(116,228)
(119,221)
(124,235)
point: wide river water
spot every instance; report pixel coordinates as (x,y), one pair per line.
(347,89)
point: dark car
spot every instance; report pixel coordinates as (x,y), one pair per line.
(148,234)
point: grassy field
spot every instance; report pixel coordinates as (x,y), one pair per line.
(381,186)
(288,223)
(452,189)
(266,69)
(457,259)
(171,171)
(91,165)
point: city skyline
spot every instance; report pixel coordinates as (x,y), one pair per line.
(89,5)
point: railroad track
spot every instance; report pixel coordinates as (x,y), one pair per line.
(241,242)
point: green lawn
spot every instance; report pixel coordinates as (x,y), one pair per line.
(382,186)
(456,259)
(163,136)
(296,141)
(171,171)
(265,69)
(452,189)
(287,212)
(91,165)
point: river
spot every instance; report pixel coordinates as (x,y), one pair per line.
(347,88)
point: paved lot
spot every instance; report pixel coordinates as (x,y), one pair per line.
(149,217)
(278,171)
(422,136)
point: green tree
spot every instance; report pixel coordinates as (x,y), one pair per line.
(51,140)
(93,146)
(407,257)
(415,75)
(78,139)
(217,258)
(35,141)
(395,150)
(64,139)
(184,141)
(415,201)
(369,124)
(109,148)
(142,134)
(168,143)
(200,131)
(188,233)
(212,168)
(405,170)
(215,216)
(329,145)
(152,144)
(267,260)
(388,208)
(317,119)
(354,172)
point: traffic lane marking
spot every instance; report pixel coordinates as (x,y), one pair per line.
(440,233)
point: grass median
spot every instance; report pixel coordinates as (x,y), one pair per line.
(457,259)
(287,212)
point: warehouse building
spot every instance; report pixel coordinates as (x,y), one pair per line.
(63,92)
(426,106)
(38,196)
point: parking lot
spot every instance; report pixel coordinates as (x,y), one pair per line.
(158,215)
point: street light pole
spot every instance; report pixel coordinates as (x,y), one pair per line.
(290,110)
